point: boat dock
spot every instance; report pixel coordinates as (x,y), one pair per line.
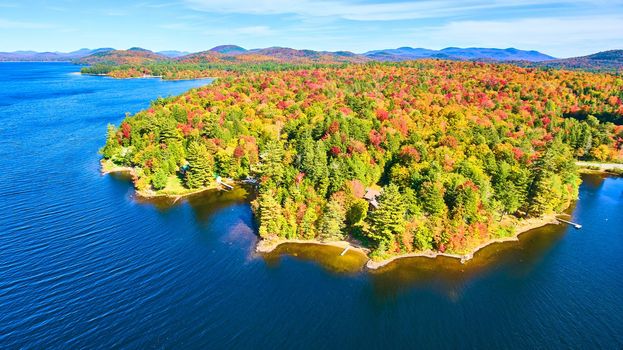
(577,226)
(220,182)
(345,250)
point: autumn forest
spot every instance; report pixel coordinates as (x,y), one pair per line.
(426,155)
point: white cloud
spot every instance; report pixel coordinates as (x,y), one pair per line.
(57,8)
(155,5)
(176,26)
(240,32)
(115,13)
(375,11)
(9,24)
(254,30)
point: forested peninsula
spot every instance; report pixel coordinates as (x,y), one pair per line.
(424,156)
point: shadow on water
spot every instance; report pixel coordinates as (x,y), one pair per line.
(328,257)
(444,275)
(448,276)
(594,181)
(207,203)
(203,204)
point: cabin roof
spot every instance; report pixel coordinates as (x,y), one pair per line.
(371,194)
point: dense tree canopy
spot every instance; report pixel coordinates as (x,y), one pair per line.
(454,146)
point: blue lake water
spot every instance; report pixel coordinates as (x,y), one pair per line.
(83,264)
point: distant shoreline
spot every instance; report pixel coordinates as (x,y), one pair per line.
(161,77)
(146,76)
(36,62)
(600,168)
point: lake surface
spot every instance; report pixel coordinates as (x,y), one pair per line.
(83,264)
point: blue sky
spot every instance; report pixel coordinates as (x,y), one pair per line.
(561,28)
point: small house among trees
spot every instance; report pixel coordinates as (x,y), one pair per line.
(371,196)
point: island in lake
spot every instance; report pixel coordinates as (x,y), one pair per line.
(426,157)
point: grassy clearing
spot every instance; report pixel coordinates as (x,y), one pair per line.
(175,187)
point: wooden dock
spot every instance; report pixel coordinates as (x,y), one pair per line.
(577,226)
(345,250)
(220,182)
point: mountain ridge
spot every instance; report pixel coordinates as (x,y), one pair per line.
(603,60)
(457,53)
(285,53)
(233,54)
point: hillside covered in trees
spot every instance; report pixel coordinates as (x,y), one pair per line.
(137,62)
(602,61)
(457,150)
(231,55)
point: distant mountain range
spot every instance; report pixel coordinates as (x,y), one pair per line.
(237,54)
(281,53)
(607,60)
(173,53)
(229,49)
(26,56)
(455,53)
(135,55)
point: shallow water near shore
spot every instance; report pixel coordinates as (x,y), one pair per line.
(85,263)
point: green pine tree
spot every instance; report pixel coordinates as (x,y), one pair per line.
(554,173)
(432,198)
(307,228)
(112,146)
(389,218)
(200,165)
(332,221)
(270,215)
(159,179)
(271,162)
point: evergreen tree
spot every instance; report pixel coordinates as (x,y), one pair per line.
(308,224)
(423,238)
(307,156)
(432,198)
(159,179)
(510,186)
(200,165)
(321,170)
(332,221)
(555,173)
(271,162)
(223,164)
(389,218)
(112,146)
(357,212)
(546,194)
(168,131)
(314,164)
(412,204)
(270,216)
(336,176)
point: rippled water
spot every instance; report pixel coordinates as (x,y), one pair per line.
(83,264)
